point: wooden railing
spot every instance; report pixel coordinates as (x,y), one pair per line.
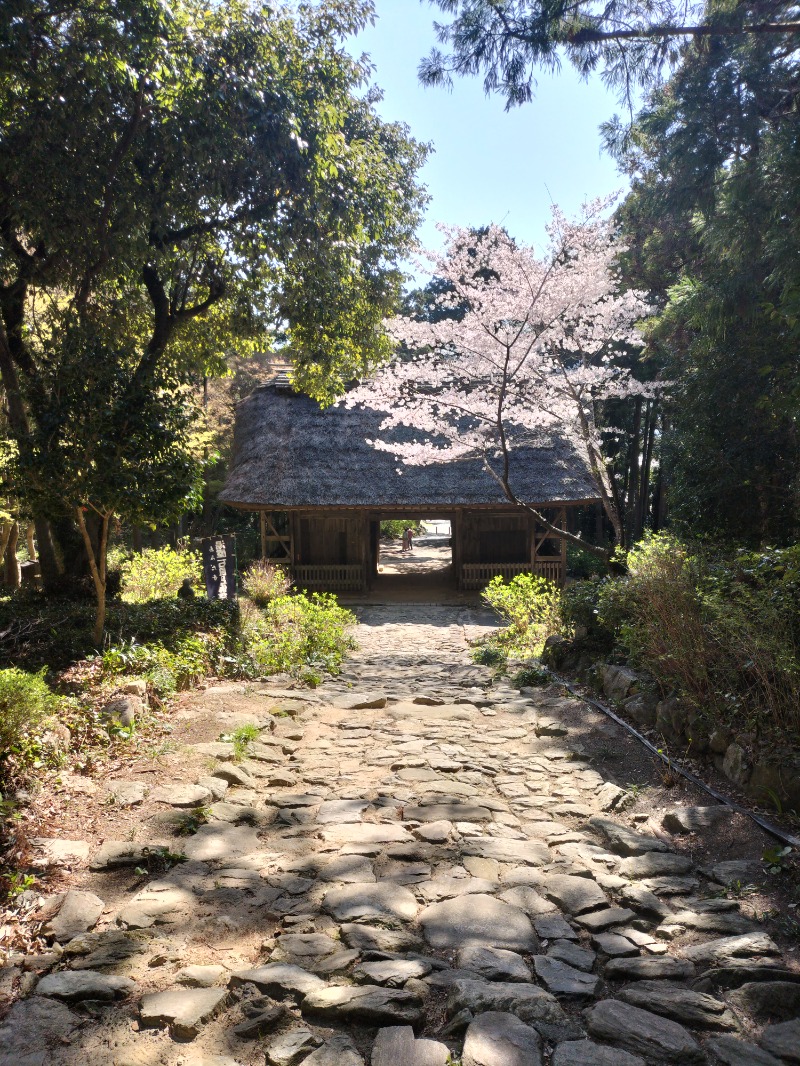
(330,578)
(478,575)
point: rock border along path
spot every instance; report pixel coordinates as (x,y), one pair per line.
(411,863)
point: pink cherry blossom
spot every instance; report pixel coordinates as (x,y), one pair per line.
(535,351)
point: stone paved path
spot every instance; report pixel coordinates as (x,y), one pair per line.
(412,866)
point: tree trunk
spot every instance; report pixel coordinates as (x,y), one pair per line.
(11,571)
(5,533)
(48,558)
(644,490)
(30,542)
(97,566)
(137,539)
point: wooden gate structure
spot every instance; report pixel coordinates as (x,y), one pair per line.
(322,491)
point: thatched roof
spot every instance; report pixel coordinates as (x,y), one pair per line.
(288,452)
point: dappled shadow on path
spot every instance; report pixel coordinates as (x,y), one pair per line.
(362,844)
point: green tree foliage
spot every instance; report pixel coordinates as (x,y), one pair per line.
(176,180)
(630,42)
(713,230)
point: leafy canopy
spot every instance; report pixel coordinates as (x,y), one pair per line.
(631,42)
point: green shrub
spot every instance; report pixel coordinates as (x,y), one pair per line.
(530,677)
(580,608)
(394,528)
(158,573)
(169,670)
(723,633)
(488,654)
(265,581)
(298,631)
(582,564)
(530,606)
(25,701)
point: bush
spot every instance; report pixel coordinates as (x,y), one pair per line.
(158,573)
(265,581)
(530,605)
(168,670)
(582,564)
(722,633)
(394,528)
(530,677)
(580,608)
(296,632)
(25,701)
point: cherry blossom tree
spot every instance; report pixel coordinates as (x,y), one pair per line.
(524,350)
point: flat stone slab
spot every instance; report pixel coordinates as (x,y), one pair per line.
(648,968)
(477,919)
(783,1040)
(529,1003)
(278,977)
(625,841)
(694,819)
(497,1038)
(307,945)
(75,985)
(743,871)
(562,979)
(435,832)
(337,1051)
(397,1046)
(117,853)
(695,1009)
(655,864)
(184,1010)
(733,1052)
(367,833)
(348,868)
(554,927)
(495,964)
(341,811)
(642,1033)
(375,938)
(177,795)
(445,712)
(714,922)
(77,914)
(575,895)
(35,1026)
(605,918)
(572,955)
(382,901)
(587,1053)
(289,1048)
(776,1001)
(365,1003)
(200,976)
(62,852)
(506,849)
(728,948)
(454,812)
(393,973)
(221,842)
(360,701)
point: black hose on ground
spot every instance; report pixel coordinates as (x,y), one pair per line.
(768,827)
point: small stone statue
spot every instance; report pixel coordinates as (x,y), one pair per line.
(186,592)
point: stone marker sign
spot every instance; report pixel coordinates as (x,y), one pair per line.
(219,567)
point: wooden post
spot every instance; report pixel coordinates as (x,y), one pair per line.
(263,518)
(563,547)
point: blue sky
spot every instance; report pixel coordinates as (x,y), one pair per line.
(490,165)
